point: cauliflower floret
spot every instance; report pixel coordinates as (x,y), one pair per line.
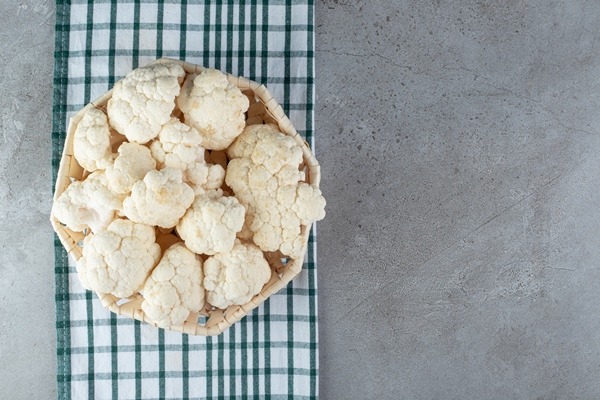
(143,101)
(263,142)
(119,259)
(233,278)
(89,203)
(175,288)
(161,198)
(92,141)
(214,107)
(205,175)
(210,225)
(309,204)
(131,165)
(178,146)
(264,176)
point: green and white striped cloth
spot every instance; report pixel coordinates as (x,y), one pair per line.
(272,353)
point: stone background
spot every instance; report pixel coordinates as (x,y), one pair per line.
(459,257)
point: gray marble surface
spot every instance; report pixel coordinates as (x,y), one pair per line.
(460,255)
(27,319)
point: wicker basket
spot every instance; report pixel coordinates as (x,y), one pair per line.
(263,108)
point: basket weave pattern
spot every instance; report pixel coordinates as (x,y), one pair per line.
(263,109)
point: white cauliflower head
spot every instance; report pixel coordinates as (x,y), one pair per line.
(143,101)
(119,259)
(175,287)
(214,107)
(92,141)
(131,165)
(89,203)
(264,176)
(161,198)
(210,225)
(178,146)
(233,278)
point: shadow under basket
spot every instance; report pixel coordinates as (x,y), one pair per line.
(263,109)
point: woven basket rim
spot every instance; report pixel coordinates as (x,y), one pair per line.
(265,109)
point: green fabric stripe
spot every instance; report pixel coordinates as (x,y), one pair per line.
(253,41)
(159,28)
(183,31)
(206,43)
(230,28)
(209,367)
(244,351)
(137,332)
(112,43)
(185,366)
(267,340)
(232,353)
(88,51)
(218,33)
(241,39)
(255,363)
(59,100)
(287,60)
(220,366)
(265,41)
(114,355)
(136,35)
(90,336)
(161,363)
(63,330)
(290,352)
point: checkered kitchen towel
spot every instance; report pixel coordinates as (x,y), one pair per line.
(272,353)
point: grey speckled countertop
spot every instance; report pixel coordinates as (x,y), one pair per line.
(460,256)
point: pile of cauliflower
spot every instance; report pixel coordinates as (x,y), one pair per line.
(172,161)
